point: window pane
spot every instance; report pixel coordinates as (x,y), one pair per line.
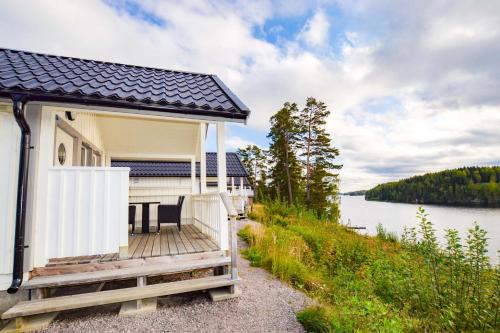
(82,156)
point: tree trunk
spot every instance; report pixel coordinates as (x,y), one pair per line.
(308,167)
(287,168)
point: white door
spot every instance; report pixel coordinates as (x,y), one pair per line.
(63,152)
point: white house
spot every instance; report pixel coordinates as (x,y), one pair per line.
(64,208)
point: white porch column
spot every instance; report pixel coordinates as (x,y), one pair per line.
(222,185)
(194,189)
(40,207)
(232,186)
(221,158)
(203,159)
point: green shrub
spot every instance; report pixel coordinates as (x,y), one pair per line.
(314,319)
(376,284)
(279,220)
(386,235)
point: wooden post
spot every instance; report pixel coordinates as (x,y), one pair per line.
(41,293)
(231,291)
(232,234)
(140,305)
(141,282)
(234,248)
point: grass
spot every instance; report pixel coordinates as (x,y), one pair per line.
(376,284)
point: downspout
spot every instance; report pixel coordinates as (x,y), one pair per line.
(19,103)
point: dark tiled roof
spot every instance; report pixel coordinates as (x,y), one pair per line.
(234,167)
(72,80)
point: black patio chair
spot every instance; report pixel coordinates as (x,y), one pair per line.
(131,216)
(170,213)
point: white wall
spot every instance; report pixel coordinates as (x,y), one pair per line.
(87,211)
(9,150)
(87,125)
(143,137)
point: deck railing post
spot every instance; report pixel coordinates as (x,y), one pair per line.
(232,234)
(234,249)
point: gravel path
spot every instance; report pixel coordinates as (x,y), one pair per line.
(266,305)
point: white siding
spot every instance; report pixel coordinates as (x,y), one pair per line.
(9,150)
(163,189)
(87,125)
(87,211)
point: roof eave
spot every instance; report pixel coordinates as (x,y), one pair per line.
(119,106)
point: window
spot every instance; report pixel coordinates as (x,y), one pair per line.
(61,153)
(82,156)
(86,156)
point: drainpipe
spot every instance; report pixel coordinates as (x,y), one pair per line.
(18,109)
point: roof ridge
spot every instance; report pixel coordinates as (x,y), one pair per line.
(107,62)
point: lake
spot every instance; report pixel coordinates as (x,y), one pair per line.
(395,216)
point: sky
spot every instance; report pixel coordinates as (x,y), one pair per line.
(412,86)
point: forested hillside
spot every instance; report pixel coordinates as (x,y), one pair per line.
(468,186)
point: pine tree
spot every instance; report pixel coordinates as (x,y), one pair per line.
(255,161)
(285,171)
(318,154)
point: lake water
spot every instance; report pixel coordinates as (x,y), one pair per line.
(395,216)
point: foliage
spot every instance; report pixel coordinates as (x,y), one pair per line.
(255,161)
(285,173)
(299,166)
(317,154)
(467,186)
(355,193)
(377,284)
(386,235)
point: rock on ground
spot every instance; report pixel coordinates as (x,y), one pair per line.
(266,305)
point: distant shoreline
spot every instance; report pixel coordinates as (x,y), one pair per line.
(426,203)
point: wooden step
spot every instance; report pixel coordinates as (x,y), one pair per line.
(29,308)
(122,263)
(149,268)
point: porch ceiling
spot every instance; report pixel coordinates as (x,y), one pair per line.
(124,137)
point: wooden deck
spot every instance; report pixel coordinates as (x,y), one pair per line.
(169,242)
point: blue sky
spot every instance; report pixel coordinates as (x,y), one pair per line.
(410,89)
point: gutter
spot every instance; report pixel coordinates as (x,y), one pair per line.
(108,103)
(19,106)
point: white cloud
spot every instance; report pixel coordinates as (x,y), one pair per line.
(440,73)
(315,31)
(235,142)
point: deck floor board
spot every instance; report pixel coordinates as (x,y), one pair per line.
(171,242)
(197,243)
(168,242)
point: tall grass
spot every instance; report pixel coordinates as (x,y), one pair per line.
(370,284)
(386,235)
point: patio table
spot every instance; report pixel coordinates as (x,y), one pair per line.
(145,213)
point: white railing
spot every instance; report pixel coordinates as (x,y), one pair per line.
(232,236)
(210,216)
(239,203)
(87,211)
